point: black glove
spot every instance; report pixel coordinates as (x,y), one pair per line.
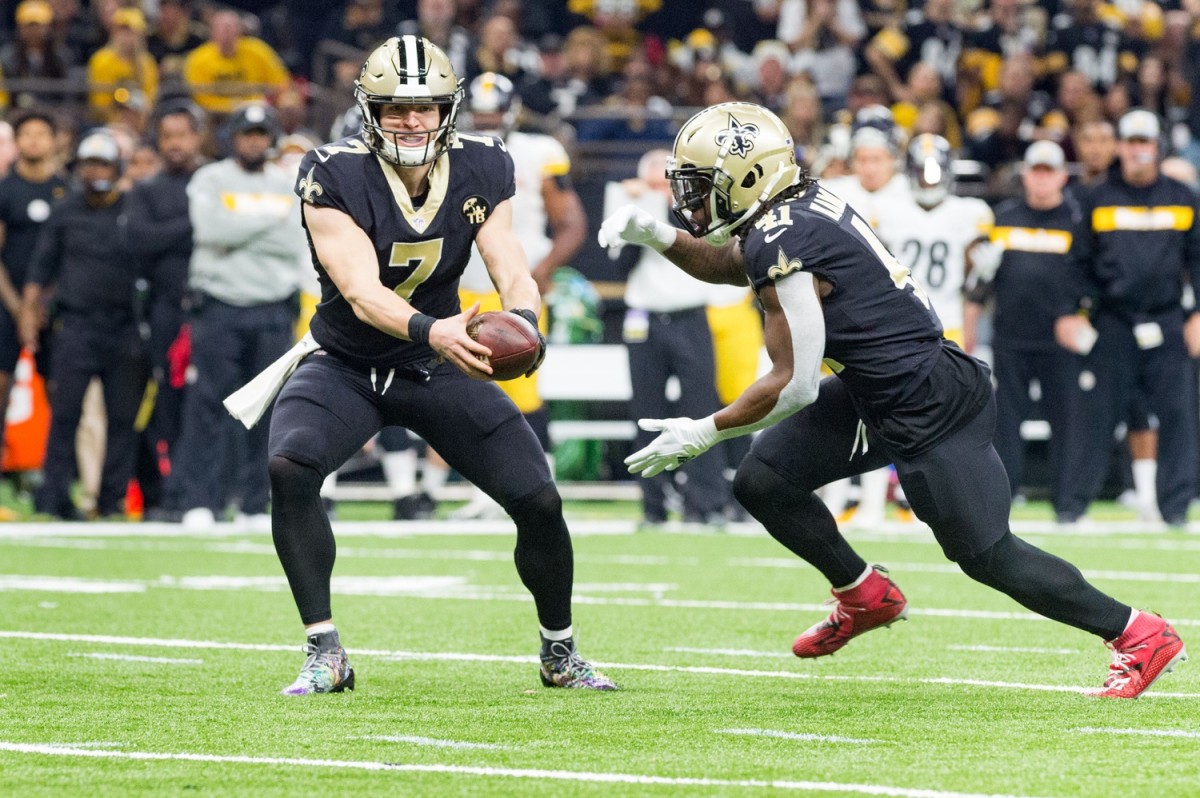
(532,318)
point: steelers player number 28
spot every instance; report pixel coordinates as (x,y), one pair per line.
(933,258)
(420,256)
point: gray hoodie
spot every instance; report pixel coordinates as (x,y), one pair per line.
(249,243)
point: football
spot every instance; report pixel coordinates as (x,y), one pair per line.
(512,339)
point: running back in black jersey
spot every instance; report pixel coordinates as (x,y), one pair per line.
(422,251)
(882,338)
(880,331)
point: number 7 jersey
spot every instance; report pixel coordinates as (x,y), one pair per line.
(421,251)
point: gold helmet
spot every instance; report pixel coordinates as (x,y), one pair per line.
(728,160)
(408,70)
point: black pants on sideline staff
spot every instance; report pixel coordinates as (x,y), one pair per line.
(1167,379)
(230,345)
(1057,372)
(89,346)
(678,344)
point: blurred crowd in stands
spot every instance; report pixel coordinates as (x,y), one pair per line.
(611,79)
(990,75)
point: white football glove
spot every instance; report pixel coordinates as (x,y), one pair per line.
(985,260)
(680,441)
(630,224)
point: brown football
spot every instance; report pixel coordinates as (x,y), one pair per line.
(512,339)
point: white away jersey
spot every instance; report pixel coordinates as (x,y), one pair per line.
(536,157)
(871,205)
(933,245)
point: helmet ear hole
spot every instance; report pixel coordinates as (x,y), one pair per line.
(752,176)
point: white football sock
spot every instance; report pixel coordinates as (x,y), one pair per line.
(320,628)
(400,471)
(872,500)
(856,582)
(836,495)
(554,637)
(433,478)
(1145,477)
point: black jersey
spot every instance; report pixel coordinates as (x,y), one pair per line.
(1133,247)
(81,251)
(24,206)
(882,338)
(421,251)
(1034,276)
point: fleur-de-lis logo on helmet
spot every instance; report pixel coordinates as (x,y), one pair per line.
(740,138)
(310,188)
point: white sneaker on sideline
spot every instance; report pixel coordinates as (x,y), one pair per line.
(256,522)
(198,519)
(481,507)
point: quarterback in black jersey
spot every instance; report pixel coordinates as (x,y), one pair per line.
(391,214)
(900,393)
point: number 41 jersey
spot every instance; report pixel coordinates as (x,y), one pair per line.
(881,337)
(421,249)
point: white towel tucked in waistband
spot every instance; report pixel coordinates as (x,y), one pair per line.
(248,403)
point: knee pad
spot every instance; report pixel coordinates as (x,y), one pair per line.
(289,477)
(756,482)
(539,515)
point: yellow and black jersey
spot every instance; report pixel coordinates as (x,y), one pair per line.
(1133,247)
(221,83)
(1034,274)
(422,249)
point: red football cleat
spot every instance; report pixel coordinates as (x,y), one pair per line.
(1146,650)
(876,602)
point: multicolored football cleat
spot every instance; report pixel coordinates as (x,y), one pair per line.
(563,667)
(327,669)
(1146,650)
(874,603)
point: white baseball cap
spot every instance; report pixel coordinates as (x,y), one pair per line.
(1138,124)
(1045,153)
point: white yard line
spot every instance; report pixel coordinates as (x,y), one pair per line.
(1014,649)
(443,656)
(1141,732)
(436,588)
(134,658)
(414,740)
(515,773)
(815,738)
(734,652)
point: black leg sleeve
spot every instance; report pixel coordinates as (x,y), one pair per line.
(545,560)
(1048,585)
(302,535)
(798,519)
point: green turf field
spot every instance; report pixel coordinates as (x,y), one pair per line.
(140,660)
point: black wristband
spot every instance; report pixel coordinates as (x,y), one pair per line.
(528,315)
(418,328)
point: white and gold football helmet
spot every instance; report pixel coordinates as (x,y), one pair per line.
(494,104)
(408,70)
(930,173)
(727,161)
